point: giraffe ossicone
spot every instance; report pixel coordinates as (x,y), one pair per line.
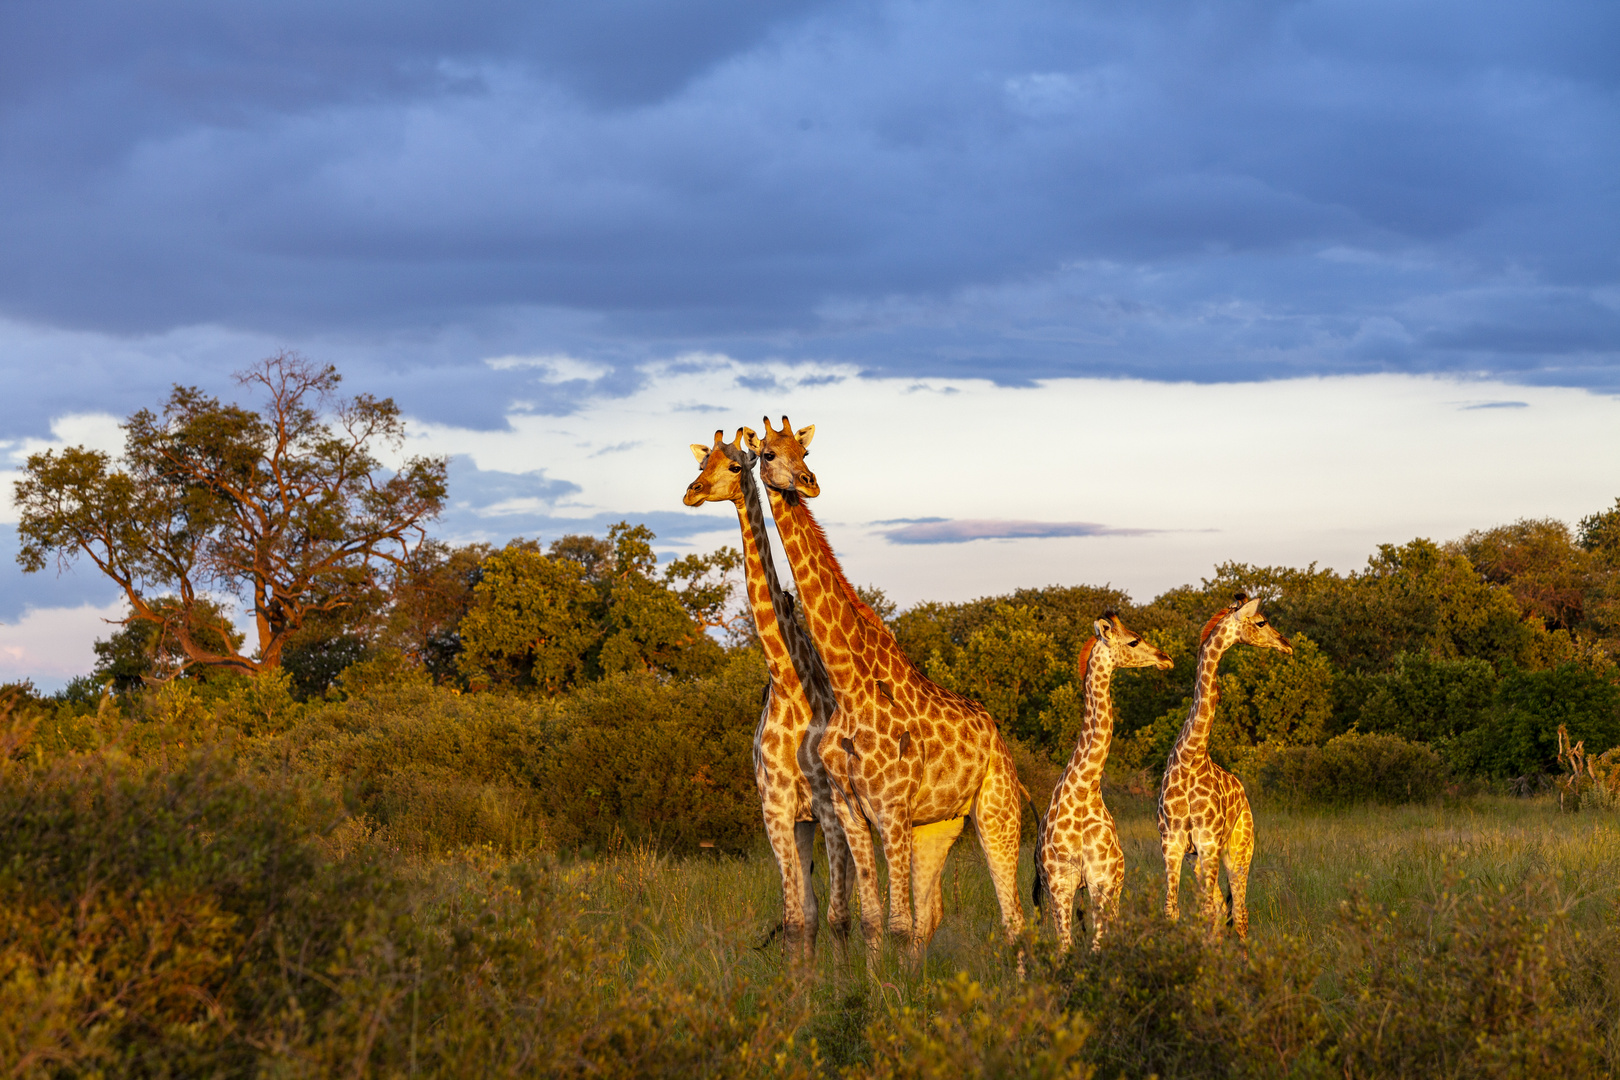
(1076,843)
(1203,807)
(794,790)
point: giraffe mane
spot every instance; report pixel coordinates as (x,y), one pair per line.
(1085,656)
(1209,627)
(844,586)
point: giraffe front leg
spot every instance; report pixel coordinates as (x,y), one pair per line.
(1106,882)
(897,852)
(863,861)
(780,830)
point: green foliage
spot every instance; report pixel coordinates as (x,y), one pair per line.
(530,623)
(591,608)
(1352,768)
(185,921)
(1162,1002)
(290,508)
(1269,699)
(145,650)
(665,762)
(1426,699)
(1473,984)
(1009,664)
(1520,735)
(966,1029)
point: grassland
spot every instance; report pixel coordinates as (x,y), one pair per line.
(701,919)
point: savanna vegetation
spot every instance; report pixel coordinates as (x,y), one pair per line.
(490,811)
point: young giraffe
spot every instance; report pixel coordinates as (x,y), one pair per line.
(794,790)
(905,754)
(1201,805)
(1076,845)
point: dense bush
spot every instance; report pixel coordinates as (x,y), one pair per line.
(1353,767)
(186,921)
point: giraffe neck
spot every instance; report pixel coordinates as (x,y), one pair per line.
(839,622)
(1097,722)
(773,618)
(1193,743)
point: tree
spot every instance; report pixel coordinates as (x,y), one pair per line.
(590,608)
(288,509)
(142,652)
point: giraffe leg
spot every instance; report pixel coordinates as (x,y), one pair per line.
(930,845)
(840,873)
(1062,883)
(804,837)
(863,860)
(780,830)
(1209,892)
(1238,855)
(1174,844)
(997,819)
(1106,880)
(897,853)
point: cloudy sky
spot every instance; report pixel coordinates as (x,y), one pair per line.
(1073,291)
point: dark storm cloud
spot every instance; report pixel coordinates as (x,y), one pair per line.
(1173,191)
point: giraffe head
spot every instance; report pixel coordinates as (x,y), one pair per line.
(723,469)
(1250,626)
(1126,646)
(781,457)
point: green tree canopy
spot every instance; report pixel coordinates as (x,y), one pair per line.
(287,509)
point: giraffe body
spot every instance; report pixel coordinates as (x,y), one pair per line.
(905,755)
(795,792)
(1202,807)
(1077,845)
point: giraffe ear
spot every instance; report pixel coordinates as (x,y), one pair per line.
(1247,611)
(805,434)
(700,451)
(1102,628)
(752,439)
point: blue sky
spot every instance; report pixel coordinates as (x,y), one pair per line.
(500,210)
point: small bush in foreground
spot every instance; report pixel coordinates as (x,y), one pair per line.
(1472,985)
(1354,767)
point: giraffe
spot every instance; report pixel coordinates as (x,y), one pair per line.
(795,793)
(1076,845)
(910,757)
(1201,805)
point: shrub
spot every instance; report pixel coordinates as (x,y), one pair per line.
(1164,1002)
(1353,767)
(659,761)
(1467,986)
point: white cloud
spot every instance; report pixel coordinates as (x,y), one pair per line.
(553,368)
(52,645)
(1291,471)
(96,430)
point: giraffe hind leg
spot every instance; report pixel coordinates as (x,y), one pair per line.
(804,838)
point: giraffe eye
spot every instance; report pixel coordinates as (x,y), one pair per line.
(736,468)
(1260,622)
(770,455)
(1135,642)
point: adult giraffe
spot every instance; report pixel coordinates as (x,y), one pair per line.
(1076,844)
(1201,805)
(910,757)
(795,793)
